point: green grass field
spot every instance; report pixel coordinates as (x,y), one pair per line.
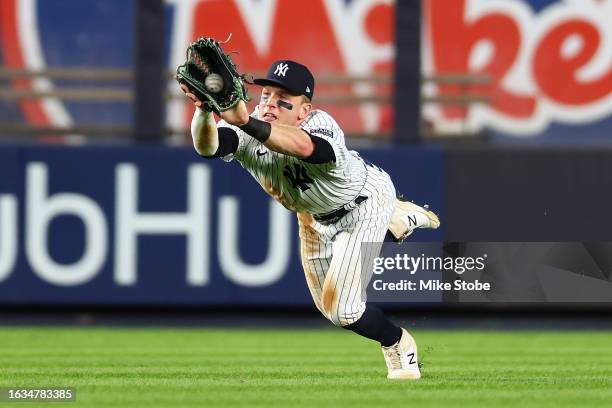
(306,368)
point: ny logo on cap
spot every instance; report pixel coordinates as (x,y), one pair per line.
(281,69)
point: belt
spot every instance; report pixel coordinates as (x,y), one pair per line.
(336,215)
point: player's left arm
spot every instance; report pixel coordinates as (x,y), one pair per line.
(289,140)
(284,139)
(296,142)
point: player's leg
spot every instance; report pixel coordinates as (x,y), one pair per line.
(344,303)
(344,288)
(344,297)
(316,253)
(348,308)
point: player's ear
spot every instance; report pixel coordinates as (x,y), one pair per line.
(305,109)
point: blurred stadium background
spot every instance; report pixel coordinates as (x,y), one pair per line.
(498,114)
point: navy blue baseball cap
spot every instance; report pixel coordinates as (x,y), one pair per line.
(290,75)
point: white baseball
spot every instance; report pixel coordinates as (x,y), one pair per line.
(214,83)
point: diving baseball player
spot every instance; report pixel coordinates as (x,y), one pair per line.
(299,157)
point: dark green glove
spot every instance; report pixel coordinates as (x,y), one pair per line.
(206,57)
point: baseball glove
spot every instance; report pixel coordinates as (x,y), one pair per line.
(205,57)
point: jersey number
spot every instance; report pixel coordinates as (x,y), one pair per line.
(298,176)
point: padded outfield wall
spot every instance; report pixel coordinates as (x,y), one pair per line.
(157,225)
(161,226)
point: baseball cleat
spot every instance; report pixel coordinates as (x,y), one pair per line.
(408,216)
(401,358)
(417,216)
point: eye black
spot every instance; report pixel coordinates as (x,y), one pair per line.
(285,104)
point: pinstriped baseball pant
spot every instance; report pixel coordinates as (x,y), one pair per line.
(332,255)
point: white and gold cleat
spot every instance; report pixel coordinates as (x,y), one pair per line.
(402,360)
(408,216)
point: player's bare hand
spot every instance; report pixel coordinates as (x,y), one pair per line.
(237,116)
(188,93)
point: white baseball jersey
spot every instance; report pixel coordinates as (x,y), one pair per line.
(331,253)
(296,184)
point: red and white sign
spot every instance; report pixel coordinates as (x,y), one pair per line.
(554,65)
(328,36)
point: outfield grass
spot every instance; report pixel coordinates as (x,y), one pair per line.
(306,368)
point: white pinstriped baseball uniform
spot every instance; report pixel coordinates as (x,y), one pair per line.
(331,252)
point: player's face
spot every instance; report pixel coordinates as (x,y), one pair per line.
(278,106)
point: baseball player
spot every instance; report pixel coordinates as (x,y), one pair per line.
(299,157)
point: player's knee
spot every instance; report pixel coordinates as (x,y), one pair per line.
(339,311)
(345,314)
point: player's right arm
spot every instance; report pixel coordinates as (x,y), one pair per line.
(204,133)
(209,140)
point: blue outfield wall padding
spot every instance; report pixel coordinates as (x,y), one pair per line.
(150,64)
(527,194)
(160,226)
(407,94)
